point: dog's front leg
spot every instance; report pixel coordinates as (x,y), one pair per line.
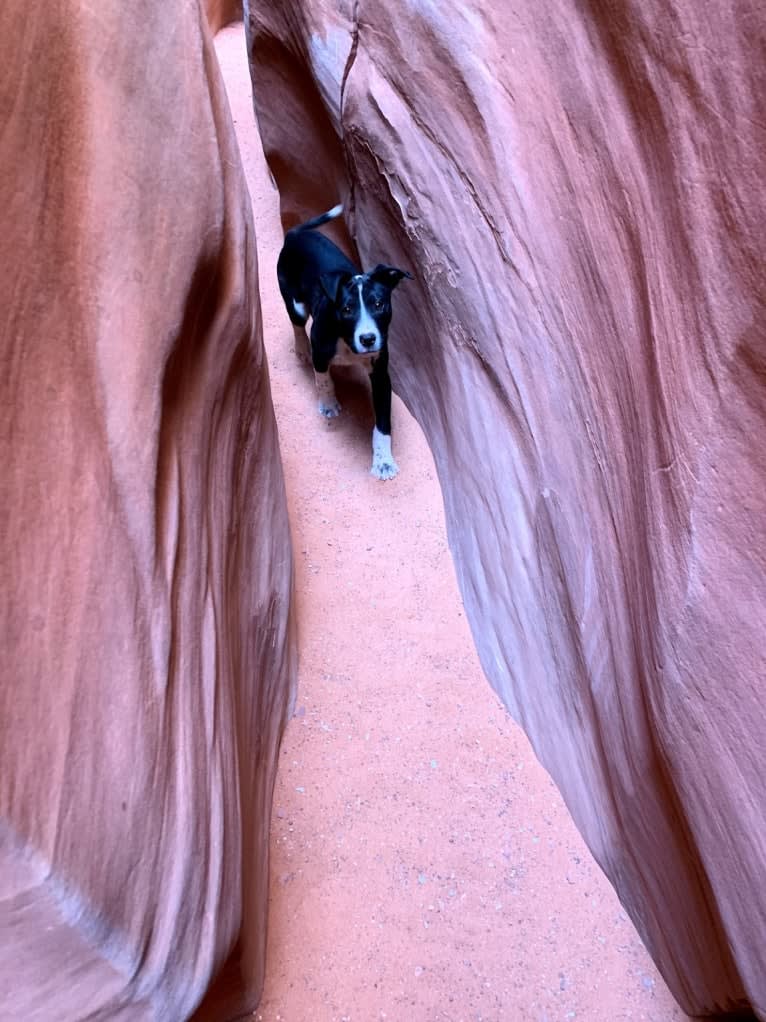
(383,464)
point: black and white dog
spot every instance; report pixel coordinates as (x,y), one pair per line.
(350,314)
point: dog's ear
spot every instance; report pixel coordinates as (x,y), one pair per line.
(388,275)
(333,282)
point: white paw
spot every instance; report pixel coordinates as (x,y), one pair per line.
(383,464)
(329,409)
(384,469)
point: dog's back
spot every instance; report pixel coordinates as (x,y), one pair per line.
(313,252)
(307,253)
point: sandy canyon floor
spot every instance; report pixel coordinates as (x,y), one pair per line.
(424,867)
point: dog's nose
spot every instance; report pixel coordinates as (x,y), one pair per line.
(367,340)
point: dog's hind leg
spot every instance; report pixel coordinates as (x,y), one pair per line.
(383,464)
(301,344)
(298,314)
(329,406)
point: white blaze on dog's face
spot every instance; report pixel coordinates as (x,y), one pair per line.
(363,306)
(359,307)
(367,336)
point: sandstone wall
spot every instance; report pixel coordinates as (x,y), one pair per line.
(220,13)
(146,562)
(579,191)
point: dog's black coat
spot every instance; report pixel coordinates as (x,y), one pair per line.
(347,307)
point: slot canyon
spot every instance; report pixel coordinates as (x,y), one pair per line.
(281,741)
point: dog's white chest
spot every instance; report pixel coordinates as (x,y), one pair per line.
(344,356)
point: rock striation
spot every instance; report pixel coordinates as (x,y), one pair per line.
(148,654)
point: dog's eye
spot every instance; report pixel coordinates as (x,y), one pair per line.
(346,310)
(378,304)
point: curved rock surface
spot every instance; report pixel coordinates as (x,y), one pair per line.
(147,645)
(578,189)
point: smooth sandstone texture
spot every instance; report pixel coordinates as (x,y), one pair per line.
(148,662)
(578,189)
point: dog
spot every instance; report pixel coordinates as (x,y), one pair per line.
(350,315)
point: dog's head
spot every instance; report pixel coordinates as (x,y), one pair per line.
(362,305)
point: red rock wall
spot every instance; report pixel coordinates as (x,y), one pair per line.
(579,190)
(220,13)
(146,561)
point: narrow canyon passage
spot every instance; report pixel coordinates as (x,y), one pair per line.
(423,864)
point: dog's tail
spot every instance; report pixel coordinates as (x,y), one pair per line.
(325,218)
